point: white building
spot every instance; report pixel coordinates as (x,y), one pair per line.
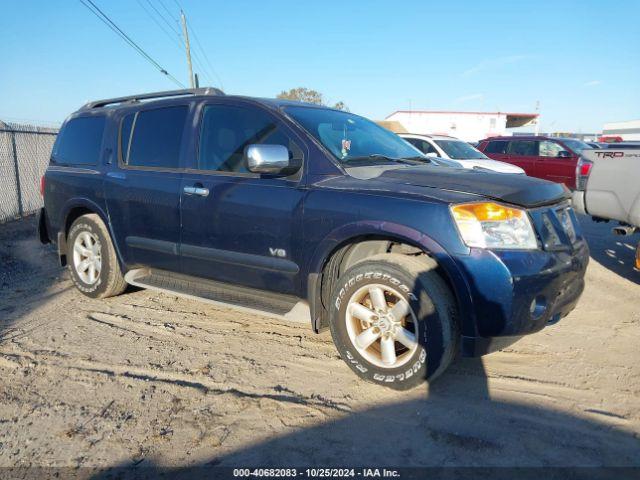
(627,130)
(468,126)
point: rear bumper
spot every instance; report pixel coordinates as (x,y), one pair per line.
(519,293)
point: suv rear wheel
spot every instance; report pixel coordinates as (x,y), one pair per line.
(92,259)
(393,320)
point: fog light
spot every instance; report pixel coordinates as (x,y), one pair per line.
(538,306)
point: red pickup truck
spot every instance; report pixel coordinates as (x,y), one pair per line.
(549,158)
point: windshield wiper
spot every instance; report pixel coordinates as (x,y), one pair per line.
(374,156)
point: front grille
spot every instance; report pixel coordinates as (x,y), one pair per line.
(564,215)
(555,226)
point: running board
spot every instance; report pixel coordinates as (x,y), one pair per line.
(249,300)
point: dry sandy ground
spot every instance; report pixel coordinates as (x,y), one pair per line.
(150,379)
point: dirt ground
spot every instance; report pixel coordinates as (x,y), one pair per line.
(150,379)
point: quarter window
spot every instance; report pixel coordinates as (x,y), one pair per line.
(80,141)
(228,130)
(152,138)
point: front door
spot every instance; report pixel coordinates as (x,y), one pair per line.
(553,166)
(237,226)
(143,192)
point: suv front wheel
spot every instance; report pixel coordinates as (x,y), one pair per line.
(92,259)
(393,320)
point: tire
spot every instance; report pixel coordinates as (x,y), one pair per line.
(89,241)
(414,280)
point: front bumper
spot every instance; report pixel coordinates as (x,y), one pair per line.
(515,293)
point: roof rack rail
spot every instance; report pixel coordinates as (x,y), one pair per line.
(147,96)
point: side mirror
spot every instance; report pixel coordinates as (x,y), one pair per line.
(272,159)
(432,154)
(564,154)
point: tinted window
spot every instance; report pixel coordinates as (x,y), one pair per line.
(226,132)
(498,146)
(80,141)
(156,137)
(523,148)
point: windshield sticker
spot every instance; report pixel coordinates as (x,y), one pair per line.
(346,146)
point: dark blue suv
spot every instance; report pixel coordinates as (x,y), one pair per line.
(302,211)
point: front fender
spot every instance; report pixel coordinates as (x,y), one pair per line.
(348,233)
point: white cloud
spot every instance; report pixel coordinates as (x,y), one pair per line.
(468,98)
(592,83)
(493,63)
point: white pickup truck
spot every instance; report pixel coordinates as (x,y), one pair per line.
(608,187)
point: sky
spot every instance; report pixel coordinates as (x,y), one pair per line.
(579,59)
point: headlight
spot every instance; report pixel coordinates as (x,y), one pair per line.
(490,225)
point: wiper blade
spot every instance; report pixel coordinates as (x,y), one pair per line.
(407,160)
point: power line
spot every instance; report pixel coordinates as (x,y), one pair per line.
(204,53)
(177,32)
(176,39)
(177,42)
(175,19)
(205,68)
(109,23)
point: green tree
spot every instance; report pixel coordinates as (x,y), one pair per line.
(302,94)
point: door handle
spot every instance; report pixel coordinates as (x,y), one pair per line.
(200,191)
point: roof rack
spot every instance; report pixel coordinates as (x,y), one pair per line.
(147,96)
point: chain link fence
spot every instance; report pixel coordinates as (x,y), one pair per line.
(24,156)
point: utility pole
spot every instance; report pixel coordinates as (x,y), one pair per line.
(185,32)
(537,127)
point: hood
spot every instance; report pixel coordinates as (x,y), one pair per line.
(514,189)
(495,165)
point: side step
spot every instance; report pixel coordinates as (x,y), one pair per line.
(249,300)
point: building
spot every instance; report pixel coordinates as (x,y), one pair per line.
(625,130)
(468,126)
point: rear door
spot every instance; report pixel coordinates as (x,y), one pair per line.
(143,189)
(237,226)
(554,167)
(524,153)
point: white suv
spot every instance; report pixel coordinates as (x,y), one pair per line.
(458,151)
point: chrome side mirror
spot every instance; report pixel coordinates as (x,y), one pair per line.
(271,159)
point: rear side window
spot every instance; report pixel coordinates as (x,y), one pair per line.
(497,146)
(152,138)
(523,148)
(80,141)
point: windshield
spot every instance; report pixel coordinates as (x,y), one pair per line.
(350,137)
(459,150)
(576,145)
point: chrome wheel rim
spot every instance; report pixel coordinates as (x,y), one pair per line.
(87,257)
(382,326)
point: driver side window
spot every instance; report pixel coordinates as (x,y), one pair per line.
(226,131)
(550,149)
